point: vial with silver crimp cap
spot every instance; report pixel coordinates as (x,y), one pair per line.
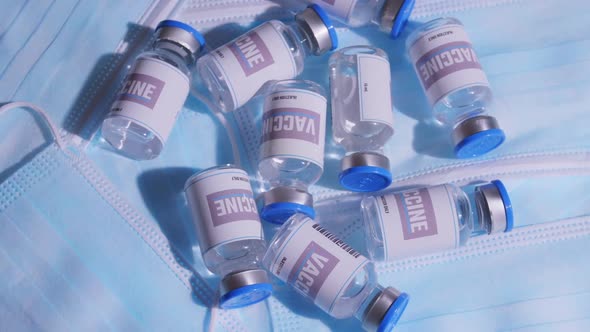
(333,275)
(292,148)
(234,72)
(362,115)
(230,235)
(456,85)
(153,93)
(431,219)
(390,15)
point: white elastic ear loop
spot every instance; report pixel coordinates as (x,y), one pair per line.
(41,112)
(214,312)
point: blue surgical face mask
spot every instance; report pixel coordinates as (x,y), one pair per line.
(534,87)
(76,256)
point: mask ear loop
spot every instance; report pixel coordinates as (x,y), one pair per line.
(42,113)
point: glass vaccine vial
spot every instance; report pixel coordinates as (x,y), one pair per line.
(432,219)
(234,72)
(153,93)
(292,149)
(339,280)
(389,15)
(362,115)
(230,234)
(455,84)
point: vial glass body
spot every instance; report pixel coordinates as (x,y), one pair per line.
(429,219)
(360,285)
(292,150)
(469,94)
(362,115)
(224,259)
(375,220)
(134,138)
(455,85)
(358,123)
(225,217)
(277,52)
(333,275)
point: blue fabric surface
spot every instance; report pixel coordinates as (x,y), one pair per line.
(68,260)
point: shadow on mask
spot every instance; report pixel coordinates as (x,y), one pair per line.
(332,156)
(305,307)
(197,141)
(96,96)
(24,135)
(163,192)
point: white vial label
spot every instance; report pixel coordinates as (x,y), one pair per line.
(374,85)
(337,8)
(445,61)
(418,221)
(294,126)
(153,94)
(227,211)
(253,59)
(317,264)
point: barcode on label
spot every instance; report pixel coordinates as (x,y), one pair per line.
(336,240)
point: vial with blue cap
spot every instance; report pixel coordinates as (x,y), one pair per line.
(455,84)
(292,147)
(153,93)
(234,72)
(230,235)
(389,15)
(431,219)
(329,272)
(362,115)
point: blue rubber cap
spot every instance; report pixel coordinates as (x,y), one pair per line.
(479,143)
(402,18)
(507,204)
(245,296)
(328,23)
(278,213)
(394,313)
(185,27)
(365,178)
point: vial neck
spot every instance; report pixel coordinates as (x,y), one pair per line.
(482,219)
(174,50)
(386,11)
(303,39)
(291,183)
(361,312)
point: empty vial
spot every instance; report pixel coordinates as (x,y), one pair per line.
(234,72)
(153,93)
(362,115)
(339,280)
(431,219)
(390,15)
(455,85)
(230,235)
(292,150)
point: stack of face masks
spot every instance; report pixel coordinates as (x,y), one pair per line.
(144,243)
